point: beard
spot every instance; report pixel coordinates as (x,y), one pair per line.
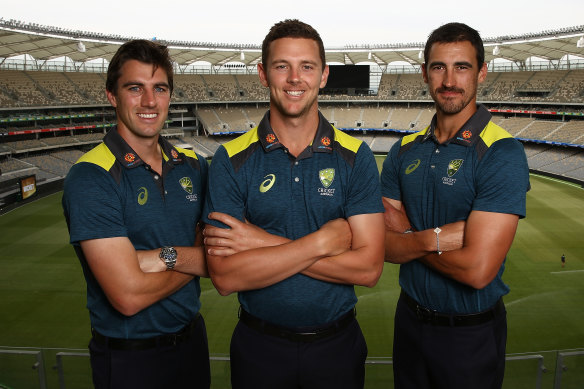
(451,106)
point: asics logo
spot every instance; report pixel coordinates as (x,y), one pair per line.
(267,184)
(142,196)
(413,166)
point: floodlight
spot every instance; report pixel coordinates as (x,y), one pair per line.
(80,47)
(242,56)
(496,50)
(580,43)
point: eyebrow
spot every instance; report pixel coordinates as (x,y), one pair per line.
(138,83)
(459,63)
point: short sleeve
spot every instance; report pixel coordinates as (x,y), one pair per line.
(390,187)
(223,192)
(92,204)
(365,194)
(503,179)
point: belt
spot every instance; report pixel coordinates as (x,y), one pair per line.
(147,343)
(311,335)
(440,319)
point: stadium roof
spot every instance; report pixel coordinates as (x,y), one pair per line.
(46,43)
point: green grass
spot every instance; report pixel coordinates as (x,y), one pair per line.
(42,289)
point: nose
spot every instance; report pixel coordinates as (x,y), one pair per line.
(293,75)
(148,98)
(449,80)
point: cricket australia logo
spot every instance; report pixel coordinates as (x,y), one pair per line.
(142,195)
(187,185)
(453,167)
(326,176)
(267,183)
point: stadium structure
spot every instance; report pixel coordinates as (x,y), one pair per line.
(53,106)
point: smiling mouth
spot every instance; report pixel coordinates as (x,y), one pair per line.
(148,115)
(295,92)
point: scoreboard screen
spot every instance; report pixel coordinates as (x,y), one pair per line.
(348,76)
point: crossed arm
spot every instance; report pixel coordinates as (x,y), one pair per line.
(246,257)
(472,250)
(133,280)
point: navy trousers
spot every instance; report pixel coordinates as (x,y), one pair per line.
(448,357)
(184,365)
(264,361)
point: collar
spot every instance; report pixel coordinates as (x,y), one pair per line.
(468,133)
(323,141)
(126,156)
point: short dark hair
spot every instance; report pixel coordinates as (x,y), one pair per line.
(292,28)
(456,32)
(140,50)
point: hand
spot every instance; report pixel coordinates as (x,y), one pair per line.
(395,219)
(150,261)
(336,237)
(240,236)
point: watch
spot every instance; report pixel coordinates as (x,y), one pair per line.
(168,256)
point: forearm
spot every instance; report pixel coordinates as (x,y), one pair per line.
(146,289)
(260,267)
(488,238)
(189,260)
(114,263)
(402,248)
(362,264)
(353,267)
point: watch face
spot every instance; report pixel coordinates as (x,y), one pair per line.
(168,255)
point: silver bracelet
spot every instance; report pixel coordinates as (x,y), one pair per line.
(437,230)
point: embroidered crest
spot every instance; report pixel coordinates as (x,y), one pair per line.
(453,166)
(186,184)
(326,176)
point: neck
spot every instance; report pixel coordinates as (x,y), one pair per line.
(147,148)
(295,133)
(447,125)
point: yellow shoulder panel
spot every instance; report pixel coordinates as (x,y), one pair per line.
(188,153)
(347,141)
(242,142)
(100,155)
(410,138)
(492,133)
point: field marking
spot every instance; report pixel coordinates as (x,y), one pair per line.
(566,271)
(558,180)
(538,295)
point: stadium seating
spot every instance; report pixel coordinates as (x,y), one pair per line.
(59,115)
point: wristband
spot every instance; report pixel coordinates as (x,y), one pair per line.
(437,230)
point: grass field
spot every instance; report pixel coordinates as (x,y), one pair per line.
(42,291)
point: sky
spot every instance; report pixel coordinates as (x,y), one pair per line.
(339,22)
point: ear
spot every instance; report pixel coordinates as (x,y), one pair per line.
(263,75)
(324,76)
(482,73)
(424,73)
(111,98)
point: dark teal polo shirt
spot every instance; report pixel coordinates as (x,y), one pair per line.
(254,177)
(111,192)
(482,168)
